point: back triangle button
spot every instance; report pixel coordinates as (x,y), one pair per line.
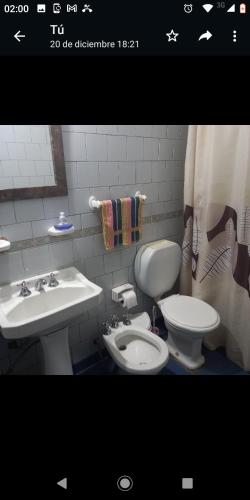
(63,483)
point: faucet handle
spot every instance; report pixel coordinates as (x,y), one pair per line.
(43,281)
(125,319)
(24,292)
(115,320)
(52,280)
(23,284)
(106,327)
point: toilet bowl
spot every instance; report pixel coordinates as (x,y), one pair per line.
(187,319)
(135,349)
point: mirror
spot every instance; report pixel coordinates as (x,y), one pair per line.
(31,162)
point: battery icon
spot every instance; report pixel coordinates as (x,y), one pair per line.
(243,8)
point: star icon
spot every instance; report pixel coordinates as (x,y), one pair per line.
(172,36)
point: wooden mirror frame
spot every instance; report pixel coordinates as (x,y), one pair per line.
(60,189)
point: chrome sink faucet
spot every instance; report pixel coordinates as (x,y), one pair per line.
(24,292)
(39,285)
(52,280)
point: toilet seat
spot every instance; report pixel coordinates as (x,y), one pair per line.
(189,314)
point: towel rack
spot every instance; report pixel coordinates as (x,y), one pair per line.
(94,203)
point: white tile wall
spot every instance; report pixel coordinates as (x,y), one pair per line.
(78,201)
(11,267)
(97,147)
(83,248)
(71,174)
(36,260)
(16,232)
(150,149)
(29,210)
(107,161)
(108,173)
(112,262)
(16,151)
(26,168)
(6,133)
(52,206)
(90,220)
(61,254)
(126,173)
(22,133)
(116,148)
(134,148)
(74,146)
(87,174)
(10,168)
(94,266)
(143,171)
(79,128)
(25,156)
(4,154)
(7,213)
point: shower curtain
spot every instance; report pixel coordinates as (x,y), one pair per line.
(216,245)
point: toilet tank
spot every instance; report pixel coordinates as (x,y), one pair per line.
(157,266)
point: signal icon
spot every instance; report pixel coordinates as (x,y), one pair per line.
(207,7)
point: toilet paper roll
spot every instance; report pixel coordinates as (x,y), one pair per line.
(129,299)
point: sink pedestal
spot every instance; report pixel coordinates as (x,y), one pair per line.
(57,360)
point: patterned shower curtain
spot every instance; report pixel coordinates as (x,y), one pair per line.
(216,245)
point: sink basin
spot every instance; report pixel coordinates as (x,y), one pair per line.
(42,312)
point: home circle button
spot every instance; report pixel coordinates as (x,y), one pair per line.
(125,483)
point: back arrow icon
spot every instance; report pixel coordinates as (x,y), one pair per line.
(17,36)
(206,35)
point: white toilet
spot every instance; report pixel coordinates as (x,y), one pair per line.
(187,319)
(135,349)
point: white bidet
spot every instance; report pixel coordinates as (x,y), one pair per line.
(136,350)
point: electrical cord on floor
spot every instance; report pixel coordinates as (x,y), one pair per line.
(10,370)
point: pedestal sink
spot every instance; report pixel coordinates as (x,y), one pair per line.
(47,314)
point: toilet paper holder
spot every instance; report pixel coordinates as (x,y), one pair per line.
(117,292)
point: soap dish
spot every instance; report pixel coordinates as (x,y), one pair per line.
(4,245)
(65,226)
(59,232)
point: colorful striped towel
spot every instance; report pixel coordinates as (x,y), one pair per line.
(121,221)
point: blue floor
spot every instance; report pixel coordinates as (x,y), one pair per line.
(216,364)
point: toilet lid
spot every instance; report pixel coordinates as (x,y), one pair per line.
(190,313)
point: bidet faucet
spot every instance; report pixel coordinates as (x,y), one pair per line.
(24,292)
(39,285)
(52,280)
(107,328)
(126,320)
(114,321)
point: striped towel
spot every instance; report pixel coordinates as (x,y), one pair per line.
(121,221)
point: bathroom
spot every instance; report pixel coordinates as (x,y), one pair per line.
(169,170)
